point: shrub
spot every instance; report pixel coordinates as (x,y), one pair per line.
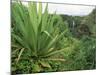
(32,37)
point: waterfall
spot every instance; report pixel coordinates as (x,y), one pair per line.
(73,24)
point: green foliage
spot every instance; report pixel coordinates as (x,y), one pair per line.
(33,33)
(43,42)
(82,54)
(90,21)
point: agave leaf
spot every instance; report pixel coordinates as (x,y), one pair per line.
(33,15)
(20,54)
(48,34)
(46,8)
(51,49)
(55,52)
(40,12)
(45,19)
(45,64)
(55,59)
(15,50)
(19,39)
(33,19)
(47,47)
(51,21)
(21,11)
(51,43)
(39,25)
(15,45)
(44,39)
(54,40)
(18,20)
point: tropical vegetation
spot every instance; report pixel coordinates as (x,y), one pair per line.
(44,42)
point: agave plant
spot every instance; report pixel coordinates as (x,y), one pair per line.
(32,32)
